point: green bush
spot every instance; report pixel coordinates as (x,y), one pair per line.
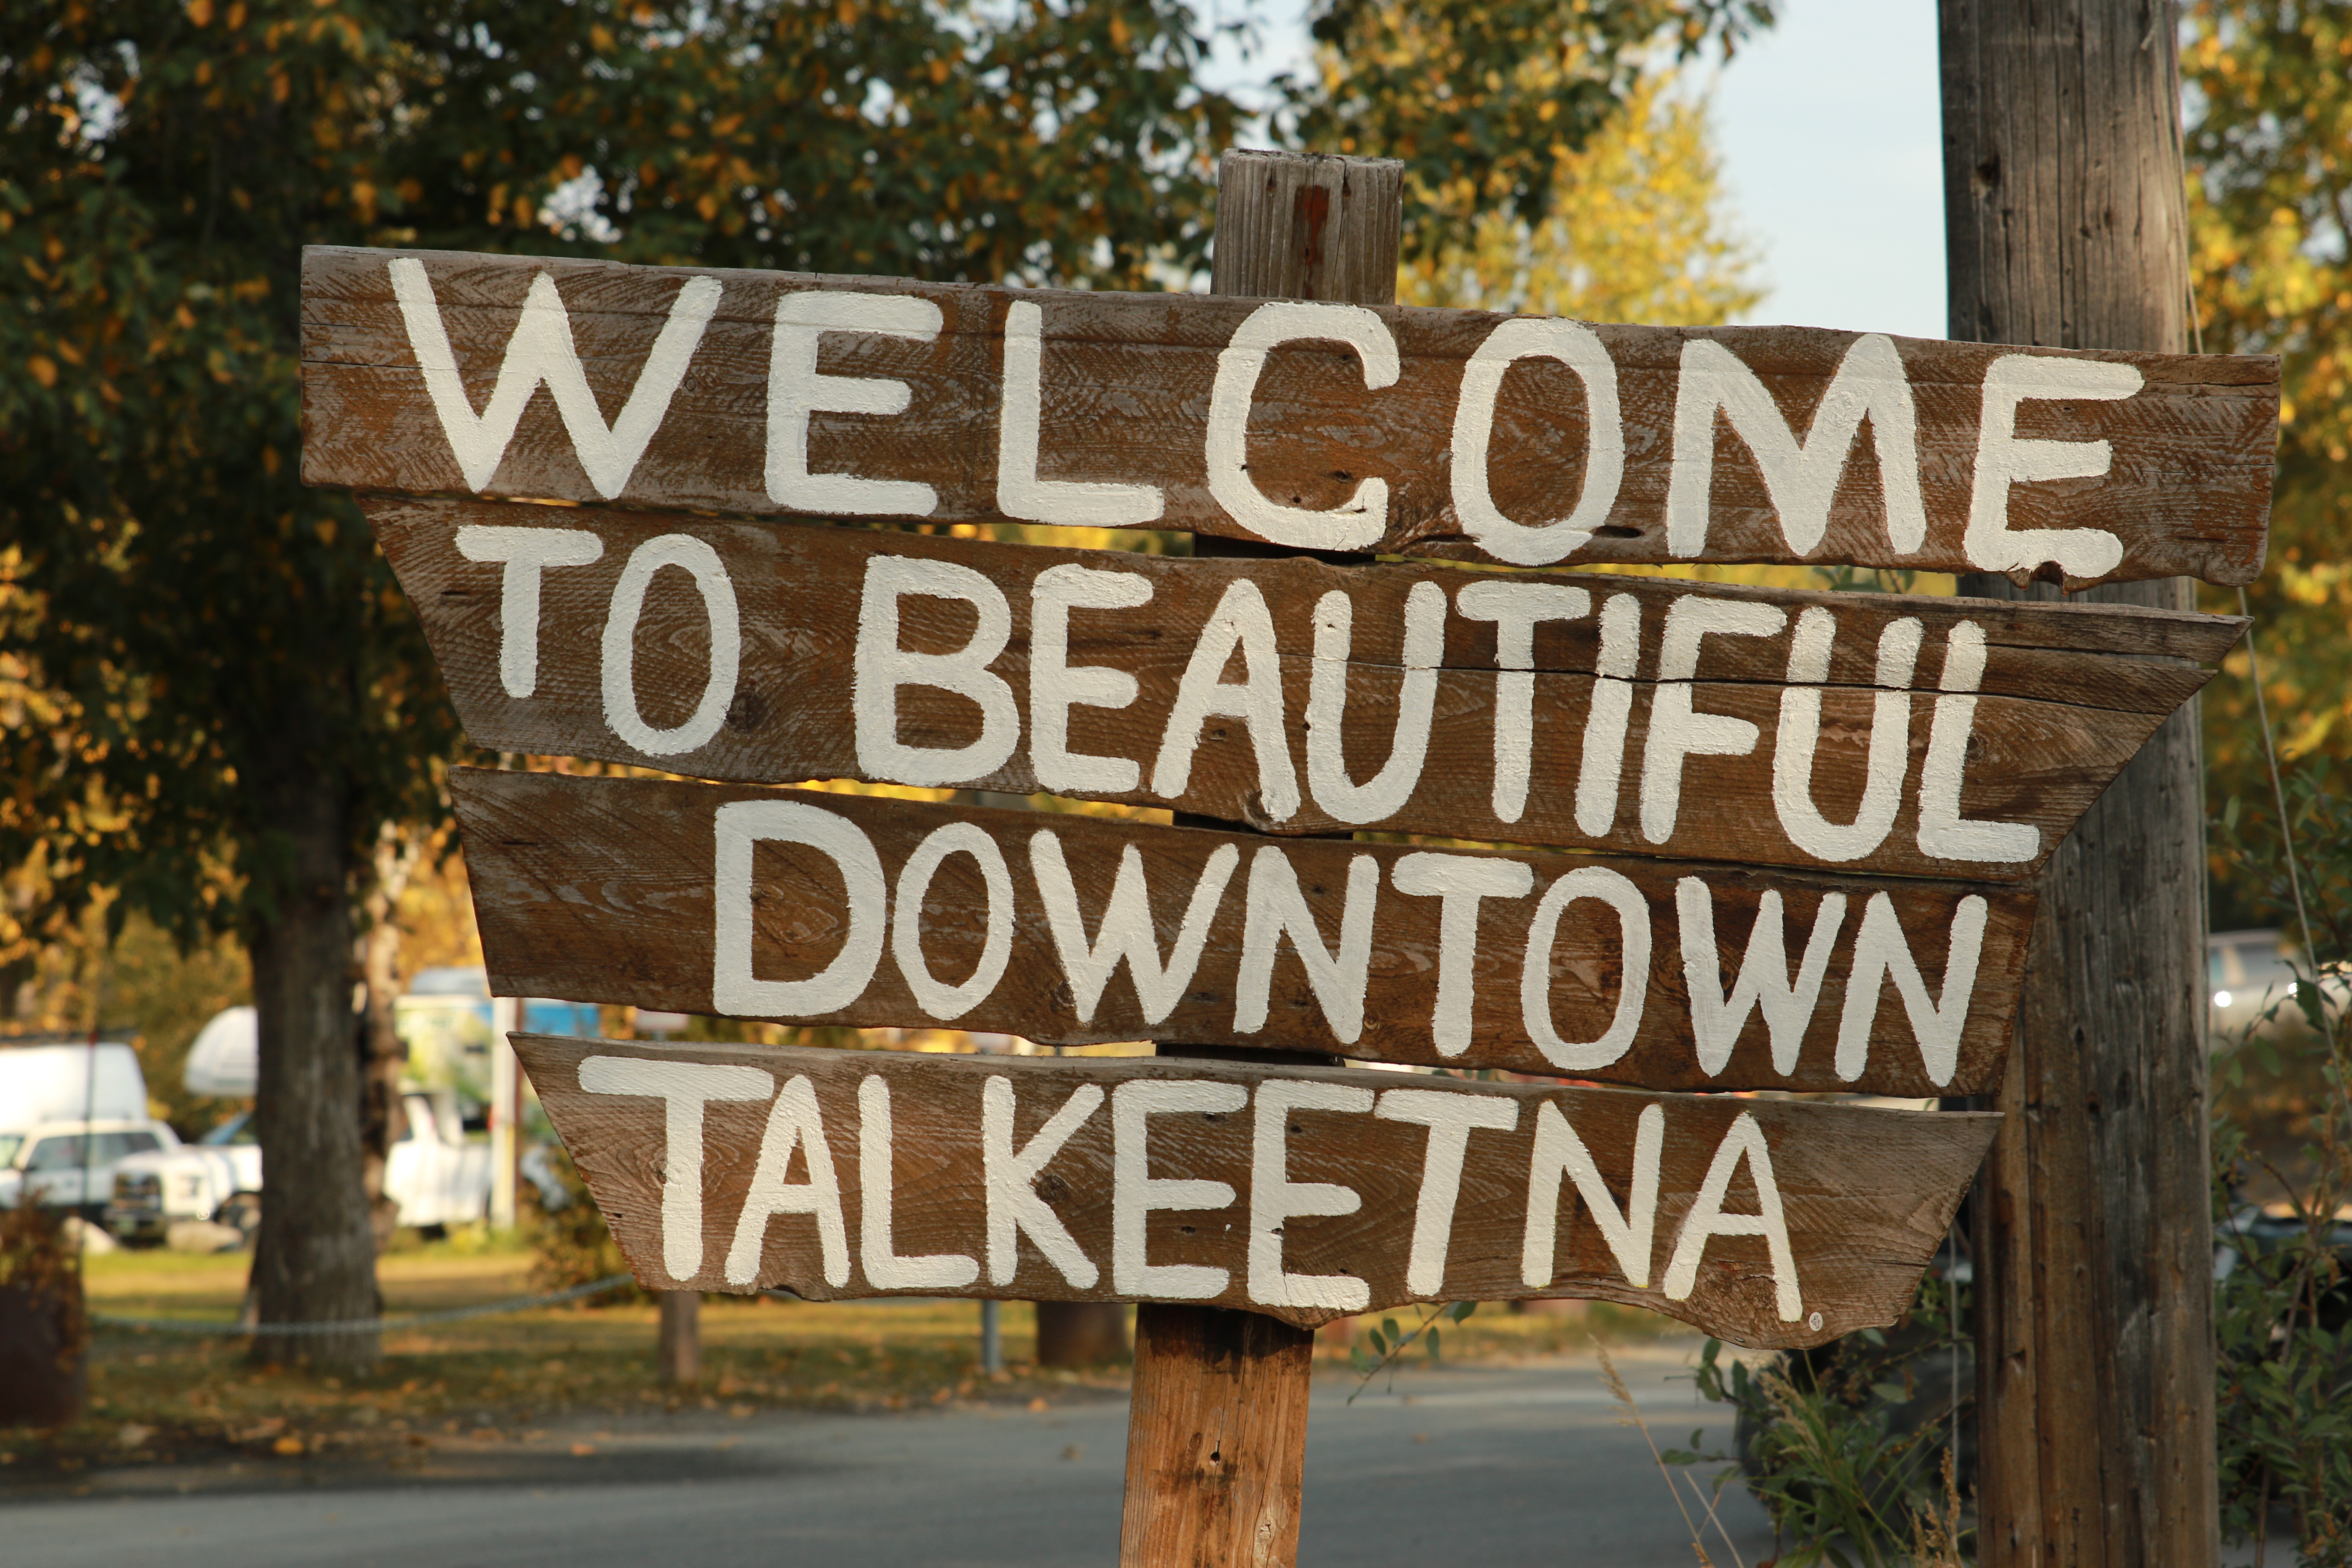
(569,1240)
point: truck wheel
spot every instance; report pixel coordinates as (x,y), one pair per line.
(242,1211)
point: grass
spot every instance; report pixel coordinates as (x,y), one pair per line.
(159,1399)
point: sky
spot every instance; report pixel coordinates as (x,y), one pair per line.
(1828,129)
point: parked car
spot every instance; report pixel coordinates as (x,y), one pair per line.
(436,1174)
(72,1164)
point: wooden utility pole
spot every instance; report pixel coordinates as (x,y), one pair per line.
(2063,194)
(1216,1427)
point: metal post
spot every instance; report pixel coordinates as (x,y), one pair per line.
(505,1080)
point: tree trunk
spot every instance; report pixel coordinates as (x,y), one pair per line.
(384,1057)
(1081,1334)
(314,1260)
(2064,202)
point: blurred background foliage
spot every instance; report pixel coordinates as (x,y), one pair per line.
(191,642)
(2269,87)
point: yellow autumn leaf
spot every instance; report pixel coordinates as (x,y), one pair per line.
(44,368)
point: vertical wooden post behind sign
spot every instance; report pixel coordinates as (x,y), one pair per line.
(678,1348)
(2064,193)
(1216,1433)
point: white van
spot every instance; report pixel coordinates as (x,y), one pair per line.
(70,1112)
(47,1078)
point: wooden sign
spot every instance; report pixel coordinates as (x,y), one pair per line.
(1524,440)
(838,909)
(1303,1192)
(1928,736)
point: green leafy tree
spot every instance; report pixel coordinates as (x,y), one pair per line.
(1486,100)
(2270,157)
(220,699)
(232,697)
(1635,231)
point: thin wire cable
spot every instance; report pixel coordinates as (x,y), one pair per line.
(362,1325)
(2278,788)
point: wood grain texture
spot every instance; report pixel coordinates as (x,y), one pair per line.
(1127,389)
(1217,1437)
(2063,191)
(1306,226)
(601,890)
(1864,1193)
(1216,1442)
(2068,697)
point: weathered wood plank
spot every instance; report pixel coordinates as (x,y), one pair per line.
(1126,401)
(654,894)
(2066,697)
(681,1145)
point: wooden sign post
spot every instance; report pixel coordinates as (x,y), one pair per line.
(1734,839)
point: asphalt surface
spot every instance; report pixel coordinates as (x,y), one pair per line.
(1492,1464)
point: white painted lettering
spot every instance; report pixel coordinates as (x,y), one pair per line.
(1600,769)
(1011,1176)
(1944,832)
(948,1003)
(2004,459)
(1451,1117)
(743,826)
(1326,707)
(793,1122)
(541,350)
(1801,474)
(1127,930)
(882,666)
(1136,1193)
(1516,608)
(876,1182)
(1364,517)
(702,563)
(1239,621)
(684,1089)
(1880,950)
(525,553)
(1613,888)
(1744,1141)
(1630,1232)
(1276,907)
(1276,1200)
(1458,882)
(795,391)
(1579,348)
(1788,1004)
(1055,686)
(1676,730)
(1019,491)
(1799,740)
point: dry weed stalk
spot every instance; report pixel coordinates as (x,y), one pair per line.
(1632,1418)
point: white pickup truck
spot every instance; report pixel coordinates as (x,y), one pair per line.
(434,1174)
(47,1162)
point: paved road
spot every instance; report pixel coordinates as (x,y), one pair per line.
(1497,1465)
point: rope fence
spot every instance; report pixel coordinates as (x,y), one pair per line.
(360,1325)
